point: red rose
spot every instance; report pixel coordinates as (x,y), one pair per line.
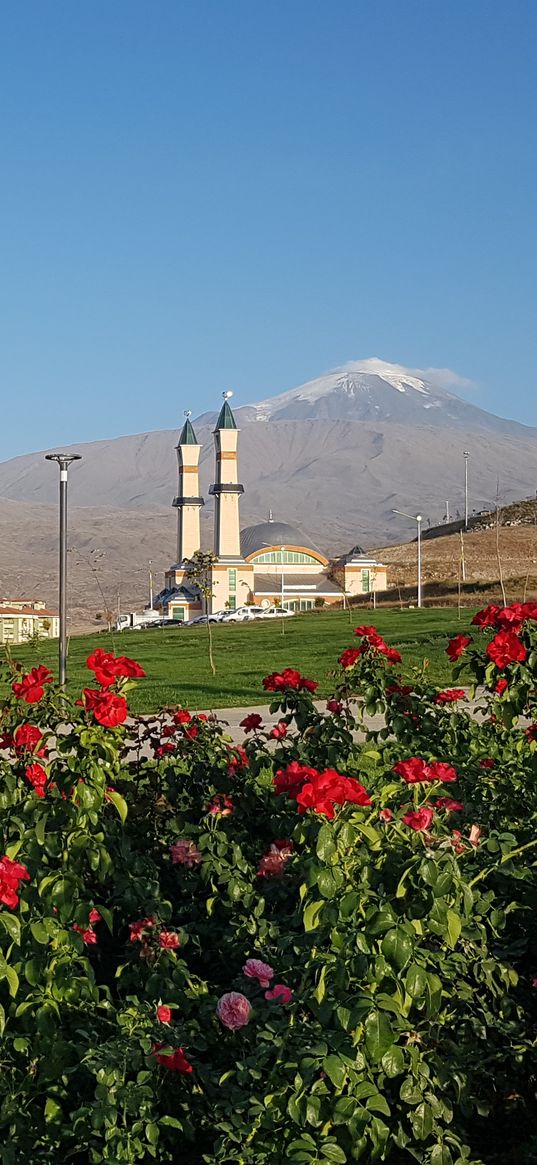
(349,657)
(139,929)
(418,819)
(529,610)
(174,1061)
(11,873)
(251,722)
(366,632)
(289,678)
(88,935)
(334,706)
(413,771)
(417,771)
(169,940)
(108,709)
(487,763)
(486,617)
(457,645)
(37,777)
(501,686)
(448,803)
(386,814)
(182,716)
(31,687)
(450,696)
(506,648)
(220,806)
(291,779)
(164,1014)
(440,771)
(392,655)
(275,859)
(330,788)
(510,618)
(27,736)
(108,667)
(279,731)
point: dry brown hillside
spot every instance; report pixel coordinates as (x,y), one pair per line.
(441,564)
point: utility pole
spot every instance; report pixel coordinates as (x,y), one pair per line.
(63,460)
(466,456)
(150,587)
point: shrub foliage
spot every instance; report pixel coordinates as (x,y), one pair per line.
(312,948)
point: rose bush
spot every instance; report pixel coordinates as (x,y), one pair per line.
(312,947)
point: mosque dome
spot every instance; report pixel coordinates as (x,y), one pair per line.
(269,534)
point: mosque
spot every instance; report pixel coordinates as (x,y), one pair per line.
(269,563)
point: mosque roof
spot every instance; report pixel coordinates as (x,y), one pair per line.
(188,436)
(226,420)
(267,534)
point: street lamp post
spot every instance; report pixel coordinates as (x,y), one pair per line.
(466,456)
(418,519)
(150,585)
(63,460)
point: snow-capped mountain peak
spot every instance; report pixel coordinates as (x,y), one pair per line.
(358,390)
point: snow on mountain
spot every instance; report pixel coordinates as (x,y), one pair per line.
(375,390)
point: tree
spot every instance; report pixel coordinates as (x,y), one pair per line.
(200,570)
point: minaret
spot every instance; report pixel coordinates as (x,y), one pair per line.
(226,489)
(188,501)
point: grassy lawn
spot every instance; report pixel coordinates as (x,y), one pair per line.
(178,670)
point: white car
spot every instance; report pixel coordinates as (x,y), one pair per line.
(243,615)
(276,613)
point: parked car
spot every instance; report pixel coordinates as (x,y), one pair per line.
(276,613)
(243,615)
(214,617)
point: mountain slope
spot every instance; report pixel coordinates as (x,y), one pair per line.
(314,456)
(376,391)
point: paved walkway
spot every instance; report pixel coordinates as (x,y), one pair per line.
(233,716)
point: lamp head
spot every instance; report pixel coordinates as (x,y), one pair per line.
(227,394)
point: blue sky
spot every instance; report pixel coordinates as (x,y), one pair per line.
(247,193)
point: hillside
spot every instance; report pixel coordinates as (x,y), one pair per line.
(334,456)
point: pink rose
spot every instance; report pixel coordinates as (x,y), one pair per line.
(185,853)
(474,835)
(280,994)
(255,969)
(233,1010)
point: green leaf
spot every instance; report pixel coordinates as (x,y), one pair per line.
(416,981)
(120,804)
(10,974)
(326,883)
(440,1155)
(335,1070)
(422,1121)
(397,946)
(2,1020)
(393,1062)
(12,925)
(171,1121)
(333,1153)
(53,1110)
(311,915)
(40,933)
(378,1035)
(454,927)
(151,1132)
(326,845)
